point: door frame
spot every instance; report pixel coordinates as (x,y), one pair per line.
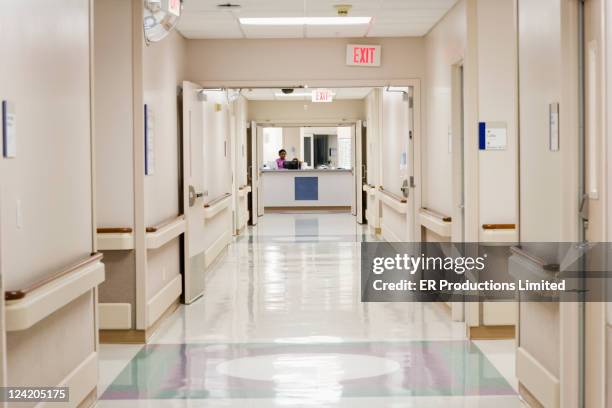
(340,122)
(413,83)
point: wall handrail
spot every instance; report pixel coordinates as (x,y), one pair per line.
(552,267)
(165,223)
(217,200)
(114,230)
(165,232)
(435,214)
(21,293)
(395,197)
(498,226)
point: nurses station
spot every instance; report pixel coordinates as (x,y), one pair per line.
(306,203)
(323,179)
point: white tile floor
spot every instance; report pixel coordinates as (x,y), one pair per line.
(295,282)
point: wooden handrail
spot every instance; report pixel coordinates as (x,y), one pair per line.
(402,200)
(114,230)
(216,200)
(552,267)
(498,226)
(21,293)
(436,214)
(164,223)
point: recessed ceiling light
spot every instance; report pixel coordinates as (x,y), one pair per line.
(289,21)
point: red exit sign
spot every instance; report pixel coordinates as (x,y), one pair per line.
(363,55)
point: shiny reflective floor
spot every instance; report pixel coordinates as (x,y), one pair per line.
(281,324)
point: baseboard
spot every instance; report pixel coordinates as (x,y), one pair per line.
(492,332)
(163,299)
(539,383)
(388,234)
(216,248)
(136,336)
(528,397)
(115,316)
(81,382)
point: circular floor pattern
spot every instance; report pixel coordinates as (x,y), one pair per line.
(308,368)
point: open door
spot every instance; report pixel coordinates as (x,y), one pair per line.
(193,191)
(359,169)
(252,174)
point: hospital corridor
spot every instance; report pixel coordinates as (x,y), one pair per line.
(306,203)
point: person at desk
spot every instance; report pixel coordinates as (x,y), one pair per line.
(280,162)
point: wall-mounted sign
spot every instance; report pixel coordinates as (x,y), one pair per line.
(9,130)
(174,7)
(492,136)
(322,95)
(149,142)
(363,55)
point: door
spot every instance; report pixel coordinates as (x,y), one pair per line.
(252,173)
(193,191)
(397,164)
(359,171)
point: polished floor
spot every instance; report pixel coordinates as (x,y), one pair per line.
(281,324)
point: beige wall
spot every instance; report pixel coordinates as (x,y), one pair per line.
(113,113)
(497,102)
(445,45)
(47,80)
(297,111)
(298,60)
(163,71)
(291,142)
(47,77)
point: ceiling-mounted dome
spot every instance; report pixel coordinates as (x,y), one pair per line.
(160,17)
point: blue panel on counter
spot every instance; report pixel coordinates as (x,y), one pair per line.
(306,188)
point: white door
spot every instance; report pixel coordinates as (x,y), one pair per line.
(253,172)
(359,172)
(397,164)
(258,161)
(193,190)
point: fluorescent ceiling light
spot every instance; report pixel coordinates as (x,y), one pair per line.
(289,21)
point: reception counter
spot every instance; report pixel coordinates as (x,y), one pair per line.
(307,188)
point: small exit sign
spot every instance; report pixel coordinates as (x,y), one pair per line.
(322,95)
(174,7)
(363,55)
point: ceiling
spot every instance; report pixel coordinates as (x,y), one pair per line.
(302,94)
(390,18)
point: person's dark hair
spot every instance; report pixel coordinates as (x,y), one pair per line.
(281,151)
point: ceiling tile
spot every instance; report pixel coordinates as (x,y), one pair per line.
(391,18)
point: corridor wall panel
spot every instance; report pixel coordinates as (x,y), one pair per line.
(47,188)
(50,178)
(163,72)
(245,61)
(113,113)
(444,46)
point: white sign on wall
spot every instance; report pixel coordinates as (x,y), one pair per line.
(493,136)
(9,130)
(149,142)
(363,55)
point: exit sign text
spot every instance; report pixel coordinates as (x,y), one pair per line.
(363,55)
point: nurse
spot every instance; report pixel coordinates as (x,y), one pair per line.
(280,162)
